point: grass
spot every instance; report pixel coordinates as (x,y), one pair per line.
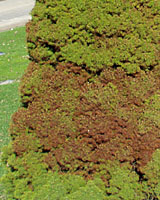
(12,66)
(13,63)
(9,102)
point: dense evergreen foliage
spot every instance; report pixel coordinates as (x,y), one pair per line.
(89,123)
(96,34)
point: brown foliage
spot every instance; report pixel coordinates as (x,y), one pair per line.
(80,121)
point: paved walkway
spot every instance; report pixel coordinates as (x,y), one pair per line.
(14,13)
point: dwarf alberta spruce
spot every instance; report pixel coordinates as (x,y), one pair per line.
(101,34)
(88,127)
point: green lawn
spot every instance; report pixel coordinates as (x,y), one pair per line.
(12,66)
(13,63)
(9,102)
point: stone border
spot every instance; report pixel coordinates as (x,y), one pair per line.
(8,82)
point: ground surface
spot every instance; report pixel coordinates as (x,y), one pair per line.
(14,13)
(12,66)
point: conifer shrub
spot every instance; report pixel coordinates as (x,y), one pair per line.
(90,103)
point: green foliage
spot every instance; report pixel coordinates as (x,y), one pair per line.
(64,187)
(21,172)
(124,184)
(152,176)
(28,178)
(101,34)
(90,191)
(90,103)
